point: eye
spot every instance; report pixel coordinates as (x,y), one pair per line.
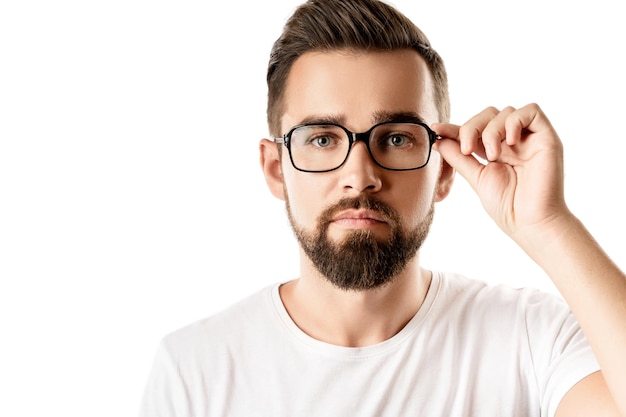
(318,137)
(322,141)
(397,140)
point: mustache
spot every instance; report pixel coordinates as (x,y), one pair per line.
(363,201)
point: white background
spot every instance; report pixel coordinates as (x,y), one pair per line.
(131,199)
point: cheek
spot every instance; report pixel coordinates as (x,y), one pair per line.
(305,196)
(416,196)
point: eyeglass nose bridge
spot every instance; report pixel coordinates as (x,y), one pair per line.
(360,137)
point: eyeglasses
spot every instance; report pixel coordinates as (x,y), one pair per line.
(392,145)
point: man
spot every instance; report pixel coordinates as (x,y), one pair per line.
(364,330)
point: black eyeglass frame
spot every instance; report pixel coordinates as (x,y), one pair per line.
(363,137)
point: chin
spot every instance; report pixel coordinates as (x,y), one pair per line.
(338,236)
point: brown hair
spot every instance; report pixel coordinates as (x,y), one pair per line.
(322,25)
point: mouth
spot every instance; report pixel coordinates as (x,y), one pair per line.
(358,219)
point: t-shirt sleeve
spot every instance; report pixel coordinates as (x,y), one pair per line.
(559,350)
(164,393)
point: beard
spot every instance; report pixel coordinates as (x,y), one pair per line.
(360,261)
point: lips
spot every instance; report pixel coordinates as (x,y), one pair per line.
(358,212)
(359,215)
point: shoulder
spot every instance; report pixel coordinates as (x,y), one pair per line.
(475,298)
(224,328)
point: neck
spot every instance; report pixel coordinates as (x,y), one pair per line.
(354,318)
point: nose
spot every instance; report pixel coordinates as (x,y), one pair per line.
(360,173)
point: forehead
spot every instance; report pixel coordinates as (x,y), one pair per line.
(356,87)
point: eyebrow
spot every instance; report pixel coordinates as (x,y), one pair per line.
(383,116)
(330,119)
(380,116)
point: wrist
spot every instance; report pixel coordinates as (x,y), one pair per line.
(540,240)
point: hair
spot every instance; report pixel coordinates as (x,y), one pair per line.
(359,25)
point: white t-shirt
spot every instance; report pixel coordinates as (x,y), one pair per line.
(472,349)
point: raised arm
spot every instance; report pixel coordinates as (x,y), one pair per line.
(520,184)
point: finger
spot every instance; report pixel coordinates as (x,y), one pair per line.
(468,166)
(495,132)
(529,118)
(446,130)
(451,131)
(470,133)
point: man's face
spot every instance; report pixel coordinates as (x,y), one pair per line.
(359,225)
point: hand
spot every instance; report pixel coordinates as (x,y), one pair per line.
(520,178)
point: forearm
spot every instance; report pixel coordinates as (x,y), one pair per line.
(594,288)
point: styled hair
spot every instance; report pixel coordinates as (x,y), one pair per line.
(359,25)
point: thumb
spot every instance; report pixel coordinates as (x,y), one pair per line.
(466,165)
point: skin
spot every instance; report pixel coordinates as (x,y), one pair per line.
(521,188)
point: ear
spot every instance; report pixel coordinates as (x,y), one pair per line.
(446,178)
(270,164)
